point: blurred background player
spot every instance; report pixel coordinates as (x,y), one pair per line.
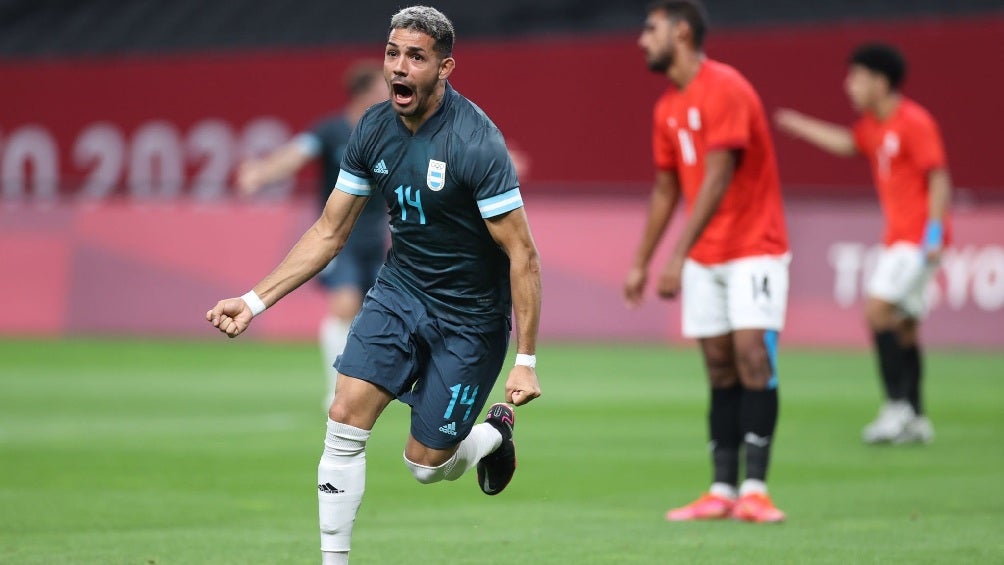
(348,277)
(902,143)
(712,143)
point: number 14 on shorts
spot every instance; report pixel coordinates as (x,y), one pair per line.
(465,399)
(761,287)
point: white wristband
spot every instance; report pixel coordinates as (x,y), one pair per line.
(526,360)
(254,303)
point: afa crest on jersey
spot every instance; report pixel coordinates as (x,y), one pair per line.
(436,177)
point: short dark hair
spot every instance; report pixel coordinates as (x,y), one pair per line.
(429,21)
(691,11)
(883,59)
(359,77)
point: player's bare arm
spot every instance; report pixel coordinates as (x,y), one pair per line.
(255,174)
(512,232)
(939,195)
(315,249)
(830,137)
(662,204)
(719,165)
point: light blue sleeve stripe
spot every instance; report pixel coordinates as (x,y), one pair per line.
(350,183)
(500,204)
(308,143)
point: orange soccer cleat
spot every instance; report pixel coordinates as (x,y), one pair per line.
(708,507)
(757,507)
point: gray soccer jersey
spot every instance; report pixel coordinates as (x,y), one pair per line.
(440,185)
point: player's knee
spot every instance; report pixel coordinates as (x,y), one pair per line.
(344,303)
(338,412)
(344,312)
(880,315)
(754,367)
(722,375)
(721,368)
(426,474)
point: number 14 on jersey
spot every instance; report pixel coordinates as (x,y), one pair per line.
(404,199)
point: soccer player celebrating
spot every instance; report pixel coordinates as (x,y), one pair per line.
(434,329)
(903,145)
(347,278)
(712,144)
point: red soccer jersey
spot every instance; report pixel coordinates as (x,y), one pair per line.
(902,150)
(720,110)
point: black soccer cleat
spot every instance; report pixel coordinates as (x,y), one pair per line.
(495,470)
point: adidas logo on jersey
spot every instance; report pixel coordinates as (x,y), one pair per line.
(328,488)
(450,428)
(381,168)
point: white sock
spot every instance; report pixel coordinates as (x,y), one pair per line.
(751,486)
(334,558)
(333,335)
(341,480)
(482,440)
(723,490)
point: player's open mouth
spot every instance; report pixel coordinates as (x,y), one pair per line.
(403,95)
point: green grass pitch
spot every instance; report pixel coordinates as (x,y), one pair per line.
(162,452)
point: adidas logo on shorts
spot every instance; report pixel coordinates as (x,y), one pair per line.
(450,428)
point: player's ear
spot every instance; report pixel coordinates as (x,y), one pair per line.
(446,67)
(684,31)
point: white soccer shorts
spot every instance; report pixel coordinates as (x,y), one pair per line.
(901,276)
(742,294)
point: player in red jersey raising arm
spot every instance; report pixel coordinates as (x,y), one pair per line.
(901,141)
(712,145)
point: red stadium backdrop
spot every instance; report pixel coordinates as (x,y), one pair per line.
(580,108)
(115,176)
(125,269)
